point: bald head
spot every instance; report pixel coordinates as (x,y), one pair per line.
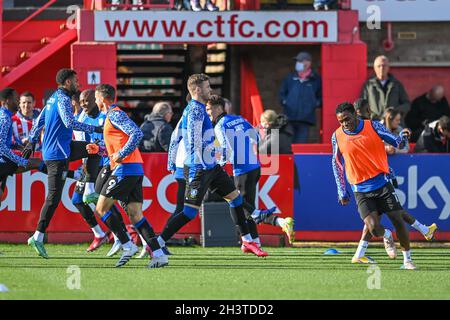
(87,100)
(436,93)
(163,110)
(381,67)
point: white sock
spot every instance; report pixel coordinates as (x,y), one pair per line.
(247,238)
(158,253)
(406,256)
(387,234)
(280,222)
(423,229)
(98,232)
(257,241)
(89,188)
(115,237)
(38,236)
(362,247)
(144,243)
(127,246)
(161,242)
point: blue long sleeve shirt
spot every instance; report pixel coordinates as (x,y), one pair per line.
(6,138)
(238,141)
(59,122)
(198,136)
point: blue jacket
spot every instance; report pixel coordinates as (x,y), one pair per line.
(238,142)
(300,98)
(59,121)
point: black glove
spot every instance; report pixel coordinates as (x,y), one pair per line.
(28,150)
(98,129)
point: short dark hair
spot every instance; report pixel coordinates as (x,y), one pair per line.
(6,94)
(27,94)
(196,80)
(444,123)
(361,103)
(345,106)
(391,113)
(63,74)
(216,100)
(107,91)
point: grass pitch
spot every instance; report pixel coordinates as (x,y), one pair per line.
(221,273)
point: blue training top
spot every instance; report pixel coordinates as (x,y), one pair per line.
(238,141)
(59,122)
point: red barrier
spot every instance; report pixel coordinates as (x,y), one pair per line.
(25,194)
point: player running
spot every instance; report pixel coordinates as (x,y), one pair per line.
(238,144)
(58,149)
(359,154)
(122,137)
(202,172)
(363,112)
(10,163)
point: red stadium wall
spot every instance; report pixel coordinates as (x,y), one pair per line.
(25,194)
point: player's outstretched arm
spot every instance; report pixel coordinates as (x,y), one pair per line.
(337,164)
(121,121)
(65,112)
(391,138)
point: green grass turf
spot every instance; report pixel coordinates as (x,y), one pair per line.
(221,273)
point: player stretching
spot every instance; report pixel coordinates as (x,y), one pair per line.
(360,144)
(363,112)
(10,163)
(202,172)
(58,148)
(122,137)
(238,140)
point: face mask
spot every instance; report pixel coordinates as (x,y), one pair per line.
(299,67)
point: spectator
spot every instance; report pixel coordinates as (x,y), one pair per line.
(362,108)
(300,95)
(23,120)
(425,109)
(76,104)
(391,120)
(196,6)
(384,90)
(278,134)
(435,138)
(156,129)
(324,4)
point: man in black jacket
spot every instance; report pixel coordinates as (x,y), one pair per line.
(435,138)
(156,129)
(425,109)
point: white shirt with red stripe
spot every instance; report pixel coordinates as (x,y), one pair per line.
(21,126)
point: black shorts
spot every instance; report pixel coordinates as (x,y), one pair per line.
(382,200)
(102,177)
(126,189)
(215,179)
(7,168)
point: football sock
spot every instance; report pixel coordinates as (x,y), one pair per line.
(38,236)
(420,227)
(98,232)
(145,229)
(387,234)
(280,222)
(361,250)
(247,238)
(114,225)
(406,256)
(89,188)
(161,242)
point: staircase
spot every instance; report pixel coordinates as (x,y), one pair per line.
(25,44)
(148,73)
